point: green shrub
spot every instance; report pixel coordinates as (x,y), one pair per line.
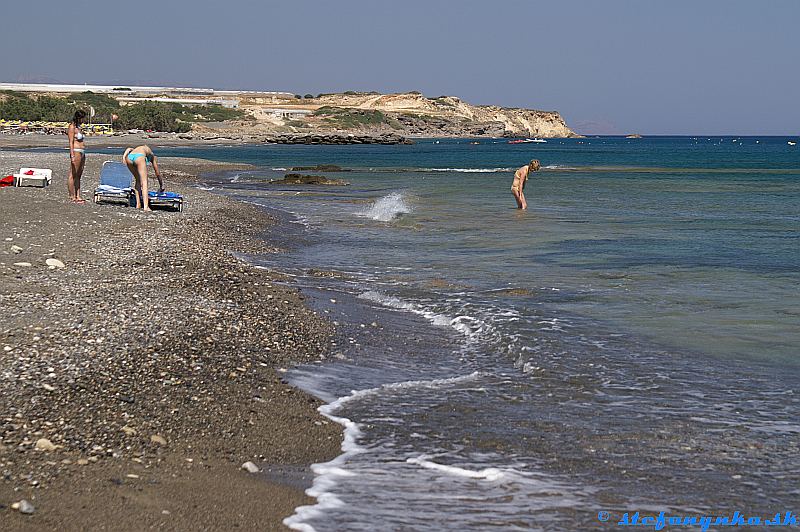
(104,106)
(208,113)
(151,115)
(42,108)
(156,116)
(350,118)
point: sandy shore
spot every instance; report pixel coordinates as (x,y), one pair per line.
(147,370)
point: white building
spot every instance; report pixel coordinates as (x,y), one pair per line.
(133,89)
(230,104)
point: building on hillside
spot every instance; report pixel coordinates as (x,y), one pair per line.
(230,104)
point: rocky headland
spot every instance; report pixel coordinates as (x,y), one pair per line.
(356,117)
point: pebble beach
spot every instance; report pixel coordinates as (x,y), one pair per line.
(141,362)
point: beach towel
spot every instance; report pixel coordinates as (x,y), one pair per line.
(164,195)
(166,199)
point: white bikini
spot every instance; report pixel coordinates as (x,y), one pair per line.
(79,136)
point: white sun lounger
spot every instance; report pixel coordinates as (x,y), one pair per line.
(33,177)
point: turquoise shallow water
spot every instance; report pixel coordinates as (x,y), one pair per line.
(629,342)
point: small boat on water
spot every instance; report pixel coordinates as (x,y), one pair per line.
(791,143)
(526,141)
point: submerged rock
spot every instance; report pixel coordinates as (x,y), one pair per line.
(320,168)
(300,179)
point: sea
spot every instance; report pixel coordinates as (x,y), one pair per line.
(627,344)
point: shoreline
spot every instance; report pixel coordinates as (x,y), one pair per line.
(152,366)
(36,140)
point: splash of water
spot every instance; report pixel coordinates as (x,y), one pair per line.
(387,208)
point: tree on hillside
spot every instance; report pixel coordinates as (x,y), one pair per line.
(150,115)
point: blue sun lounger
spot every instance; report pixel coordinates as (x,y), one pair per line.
(166,199)
(115,183)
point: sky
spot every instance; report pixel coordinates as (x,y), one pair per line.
(608,66)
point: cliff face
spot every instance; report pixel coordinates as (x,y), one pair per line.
(411,114)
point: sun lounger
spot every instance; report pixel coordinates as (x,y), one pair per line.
(167,199)
(33,177)
(115,183)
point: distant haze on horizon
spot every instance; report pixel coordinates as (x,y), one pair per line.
(680,67)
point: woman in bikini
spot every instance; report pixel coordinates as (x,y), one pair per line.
(77,156)
(520,177)
(136,159)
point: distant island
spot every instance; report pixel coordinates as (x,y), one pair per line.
(209,112)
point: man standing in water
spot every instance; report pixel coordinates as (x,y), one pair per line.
(520,177)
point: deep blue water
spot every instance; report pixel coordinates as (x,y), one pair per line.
(629,342)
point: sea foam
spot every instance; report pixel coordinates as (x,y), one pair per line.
(387,208)
(327,475)
(467,170)
(489,473)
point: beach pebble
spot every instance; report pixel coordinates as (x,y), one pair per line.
(24,507)
(131,431)
(44,444)
(23,264)
(82,461)
(48,387)
(250,467)
(54,263)
(155,438)
(16,249)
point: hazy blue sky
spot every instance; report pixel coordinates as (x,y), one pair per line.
(658,67)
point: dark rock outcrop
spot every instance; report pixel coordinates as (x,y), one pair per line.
(336,138)
(320,168)
(301,179)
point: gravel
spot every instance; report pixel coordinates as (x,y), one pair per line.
(140,338)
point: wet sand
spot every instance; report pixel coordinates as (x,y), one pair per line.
(150,365)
